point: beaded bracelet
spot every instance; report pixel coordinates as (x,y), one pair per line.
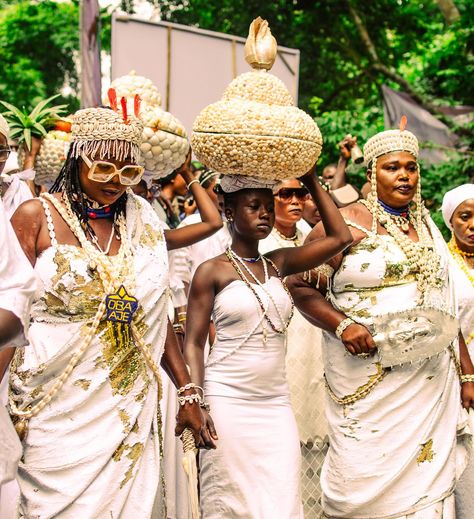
(205,405)
(182,389)
(191,399)
(189,385)
(178,328)
(467,378)
(342,326)
(194,181)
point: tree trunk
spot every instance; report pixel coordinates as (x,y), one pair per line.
(392,74)
(449,10)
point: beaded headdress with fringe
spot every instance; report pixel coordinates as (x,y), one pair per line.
(108,132)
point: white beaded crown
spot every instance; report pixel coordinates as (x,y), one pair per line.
(108,132)
(389,141)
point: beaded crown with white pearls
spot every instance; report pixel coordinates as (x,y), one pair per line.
(390,141)
(108,132)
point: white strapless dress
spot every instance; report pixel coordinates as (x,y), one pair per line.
(255,471)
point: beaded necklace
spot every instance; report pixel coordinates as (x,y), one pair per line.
(421,255)
(458,256)
(399,215)
(293,238)
(102,212)
(235,260)
(110,278)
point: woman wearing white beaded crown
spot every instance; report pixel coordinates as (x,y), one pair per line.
(458,214)
(390,350)
(85,394)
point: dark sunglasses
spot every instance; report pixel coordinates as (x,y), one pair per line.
(285,194)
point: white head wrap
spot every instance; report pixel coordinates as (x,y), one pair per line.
(454,198)
(4,129)
(105,131)
(233,183)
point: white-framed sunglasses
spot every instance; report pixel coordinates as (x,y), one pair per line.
(103,171)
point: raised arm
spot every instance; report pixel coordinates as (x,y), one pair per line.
(211,220)
(200,304)
(345,146)
(337,236)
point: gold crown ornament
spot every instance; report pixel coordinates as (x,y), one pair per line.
(164,141)
(255,129)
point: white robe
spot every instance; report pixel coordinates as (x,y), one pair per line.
(465,292)
(94,450)
(398,450)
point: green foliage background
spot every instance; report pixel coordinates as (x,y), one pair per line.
(339,83)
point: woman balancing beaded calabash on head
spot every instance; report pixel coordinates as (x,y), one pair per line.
(85,393)
(394,413)
(254,470)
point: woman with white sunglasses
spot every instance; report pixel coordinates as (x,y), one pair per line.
(85,395)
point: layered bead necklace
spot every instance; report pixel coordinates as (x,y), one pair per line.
(239,263)
(459,256)
(401,216)
(114,279)
(422,257)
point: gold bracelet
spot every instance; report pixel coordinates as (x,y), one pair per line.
(467,378)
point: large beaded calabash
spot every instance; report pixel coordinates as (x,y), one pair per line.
(255,129)
(164,141)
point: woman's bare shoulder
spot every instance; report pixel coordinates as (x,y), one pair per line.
(356,212)
(29,209)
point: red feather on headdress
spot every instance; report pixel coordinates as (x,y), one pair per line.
(123,102)
(136,105)
(403,123)
(112,94)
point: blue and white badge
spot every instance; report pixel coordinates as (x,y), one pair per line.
(120,306)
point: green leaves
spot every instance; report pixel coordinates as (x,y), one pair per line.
(24,125)
(39,42)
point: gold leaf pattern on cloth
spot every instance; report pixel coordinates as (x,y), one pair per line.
(83,383)
(426,453)
(150,237)
(125,418)
(134,454)
(122,357)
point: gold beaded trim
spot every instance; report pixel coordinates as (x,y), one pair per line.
(362,391)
